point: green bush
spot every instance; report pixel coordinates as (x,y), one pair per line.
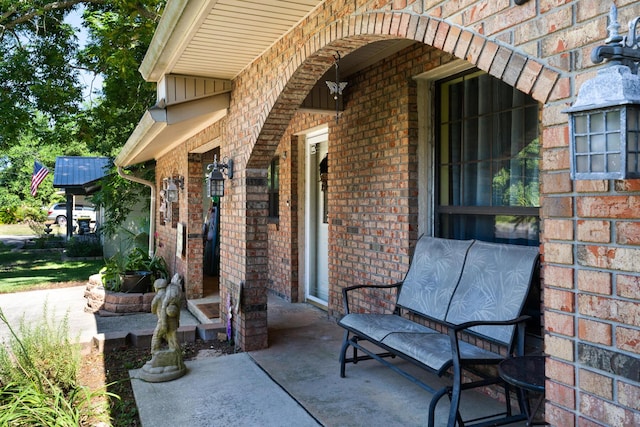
(15,213)
(38,377)
(30,213)
(8,215)
(77,247)
(9,203)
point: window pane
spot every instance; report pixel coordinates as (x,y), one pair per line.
(489,159)
(470,138)
(273,187)
(471,98)
(514,229)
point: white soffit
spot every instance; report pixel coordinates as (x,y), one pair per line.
(163,129)
(218,38)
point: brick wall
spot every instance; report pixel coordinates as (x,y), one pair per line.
(590,231)
(373,173)
(188,210)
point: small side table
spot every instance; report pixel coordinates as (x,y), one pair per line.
(526,373)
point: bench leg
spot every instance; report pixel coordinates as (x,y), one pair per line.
(432,405)
(456,389)
(343,353)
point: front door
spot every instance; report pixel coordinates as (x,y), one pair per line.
(317,225)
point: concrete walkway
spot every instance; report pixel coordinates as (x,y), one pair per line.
(69,303)
(295,382)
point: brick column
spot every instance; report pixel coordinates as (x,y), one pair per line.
(194,218)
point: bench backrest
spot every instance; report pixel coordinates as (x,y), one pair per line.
(459,281)
(494,285)
(433,276)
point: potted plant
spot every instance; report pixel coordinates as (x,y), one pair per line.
(133,272)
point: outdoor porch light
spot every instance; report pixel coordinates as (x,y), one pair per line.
(604,122)
(215,179)
(171,190)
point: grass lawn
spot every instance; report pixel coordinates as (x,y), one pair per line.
(25,230)
(32,269)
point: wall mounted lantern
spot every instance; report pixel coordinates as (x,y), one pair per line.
(215,179)
(171,186)
(604,122)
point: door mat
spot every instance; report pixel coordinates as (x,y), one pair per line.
(211,310)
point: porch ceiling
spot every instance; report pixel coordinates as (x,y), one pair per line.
(218,38)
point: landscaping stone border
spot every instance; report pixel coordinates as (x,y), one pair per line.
(108,303)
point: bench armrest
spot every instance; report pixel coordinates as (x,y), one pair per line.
(519,321)
(345,292)
(467,325)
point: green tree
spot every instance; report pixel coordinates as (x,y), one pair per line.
(42,114)
(120,35)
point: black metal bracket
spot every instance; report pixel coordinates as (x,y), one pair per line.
(623,50)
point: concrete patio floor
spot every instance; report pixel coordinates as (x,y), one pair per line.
(299,376)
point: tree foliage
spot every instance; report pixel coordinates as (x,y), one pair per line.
(42,110)
(36,72)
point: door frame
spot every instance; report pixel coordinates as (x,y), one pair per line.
(312,137)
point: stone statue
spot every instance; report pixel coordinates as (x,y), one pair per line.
(166,362)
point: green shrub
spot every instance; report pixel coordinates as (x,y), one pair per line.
(46,242)
(30,213)
(38,377)
(77,247)
(8,215)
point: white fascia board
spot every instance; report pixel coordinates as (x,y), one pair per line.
(163,129)
(150,125)
(179,22)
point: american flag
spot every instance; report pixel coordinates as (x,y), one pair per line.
(39,173)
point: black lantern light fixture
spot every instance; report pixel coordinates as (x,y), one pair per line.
(215,179)
(604,122)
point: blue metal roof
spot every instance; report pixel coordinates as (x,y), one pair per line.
(78,171)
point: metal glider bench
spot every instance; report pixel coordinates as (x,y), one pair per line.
(464,287)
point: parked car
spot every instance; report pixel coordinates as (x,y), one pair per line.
(58,213)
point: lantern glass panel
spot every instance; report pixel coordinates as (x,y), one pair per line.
(613,121)
(597,163)
(582,163)
(633,140)
(597,122)
(632,162)
(598,143)
(172,192)
(613,162)
(582,144)
(633,119)
(580,123)
(216,187)
(613,142)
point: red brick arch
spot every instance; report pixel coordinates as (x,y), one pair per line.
(311,58)
(267,95)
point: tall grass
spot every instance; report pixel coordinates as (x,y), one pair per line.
(38,377)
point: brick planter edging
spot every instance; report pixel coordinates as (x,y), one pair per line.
(108,303)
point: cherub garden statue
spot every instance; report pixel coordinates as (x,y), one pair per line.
(166,361)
